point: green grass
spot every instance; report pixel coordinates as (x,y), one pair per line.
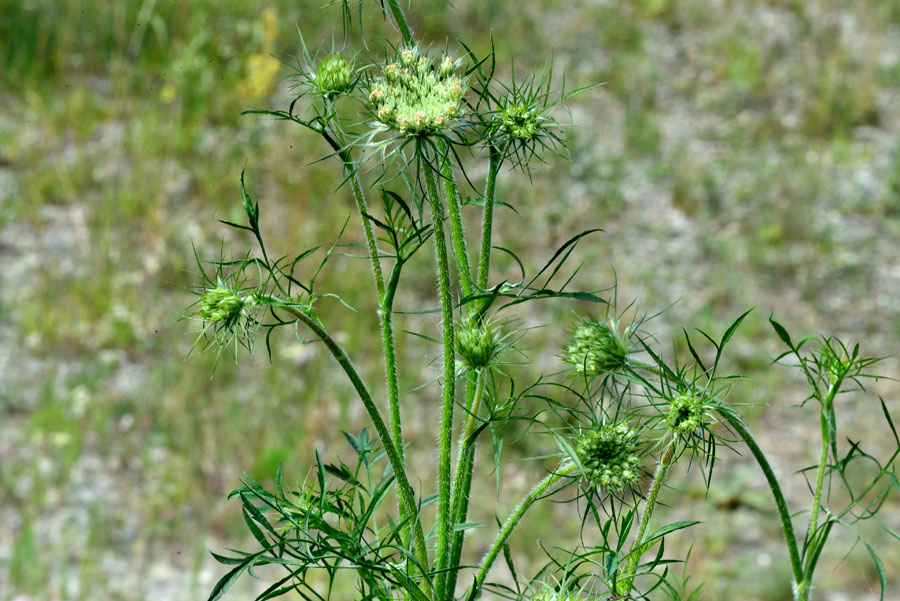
(120,131)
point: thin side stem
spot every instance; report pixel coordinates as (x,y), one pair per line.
(662,469)
(446,436)
(385,300)
(484,259)
(823,459)
(390,358)
(538,492)
(405,491)
(457,234)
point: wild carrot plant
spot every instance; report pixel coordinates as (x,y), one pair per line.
(401,125)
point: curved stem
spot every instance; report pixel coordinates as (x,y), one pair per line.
(447,400)
(484,259)
(563,470)
(404,490)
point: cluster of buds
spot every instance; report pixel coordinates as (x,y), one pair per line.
(595,348)
(519,121)
(221,305)
(685,414)
(609,457)
(334,75)
(415,97)
(476,344)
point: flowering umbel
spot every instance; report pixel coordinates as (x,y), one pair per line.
(414,97)
(609,457)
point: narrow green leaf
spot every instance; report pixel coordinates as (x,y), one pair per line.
(879,567)
(230,578)
(659,533)
(782,333)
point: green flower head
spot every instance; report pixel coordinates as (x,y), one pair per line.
(685,414)
(519,121)
(414,97)
(595,348)
(609,457)
(334,75)
(476,344)
(220,305)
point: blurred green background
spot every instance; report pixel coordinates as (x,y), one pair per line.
(740,154)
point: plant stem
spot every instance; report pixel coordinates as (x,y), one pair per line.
(405,491)
(385,300)
(662,469)
(459,507)
(446,436)
(563,470)
(823,458)
(484,259)
(456,229)
(735,420)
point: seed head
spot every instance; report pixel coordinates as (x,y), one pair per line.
(334,75)
(220,305)
(413,97)
(595,348)
(608,455)
(685,414)
(476,344)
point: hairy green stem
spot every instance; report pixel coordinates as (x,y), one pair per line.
(563,470)
(823,459)
(462,483)
(457,234)
(385,300)
(637,546)
(444,518)
(405,491)
(484,259)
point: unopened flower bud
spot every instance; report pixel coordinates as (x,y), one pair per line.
(476,344)
(220,304)
(334,75)
(446,68)
(595,348)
